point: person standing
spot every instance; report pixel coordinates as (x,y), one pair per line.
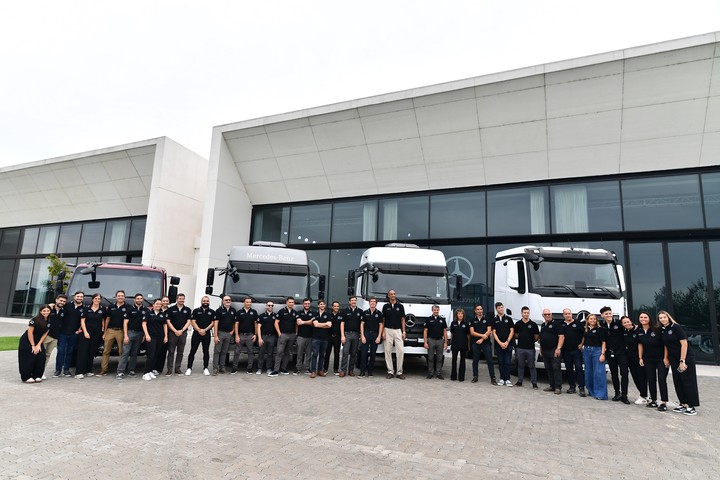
(504,333)
(481,333)
(616,359)
(350,337)
(132,336)
(394,334)
(305,320)
(67,342)
(460,334)
(245,335)
(223,328)
(92,326)
(526,335)
(321,335)
(682,364)
(335,341)
(202,320)
(572,351)
(435,340)
(653,357)
(178,322)
(113,329)
(162,352)
(594,355)
(156,333)
(55,321)
(631,333)
(371,329)
(267,339)
(286,328)
(31,351)
(551,342)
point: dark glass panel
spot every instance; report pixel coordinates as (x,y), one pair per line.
(457,215)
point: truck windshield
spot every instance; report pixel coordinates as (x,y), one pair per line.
(147,282)
(576,279)
(276,283)
(410,287)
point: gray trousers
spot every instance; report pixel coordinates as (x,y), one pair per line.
(435,355)
(526,357)
(221,349)
(245,342)
(350,350)
(175,343)
(304,350)
(266,357)
(130,351)
(282,356)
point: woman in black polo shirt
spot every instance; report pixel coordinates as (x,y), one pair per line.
(460,331)
(594,356)
(155,328)
(90,338)
(31,352)
(653,358)
(682,363)
(631,333)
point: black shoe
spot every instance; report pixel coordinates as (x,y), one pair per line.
(429,376)
(617,397)
(535,387)
(234,371)
(548,389)
(518,384)
(582,392)
(453,378)
(662,408)
(493,381)
(652,404)
(370,374)
(571,390)
(440,377)
(625,400)
(474,380)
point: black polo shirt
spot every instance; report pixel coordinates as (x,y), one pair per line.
(288,320)
(573,332)
(55,322)
(306,331)
(393,315)
(631,342)
(594,337)
(653,347)
(73,314)
(352,319)
(372,320)
(94,319)
(225,318)
(336,320)
(117,315)
(178,317)
(459,332)
(614,336)
(550,334)
(502,326)
(526,334)
(322,334)
(155,322)
(267,323)
(435,327)
(671,336)
(246,320)
(480,325)
(203,317)
(136,317)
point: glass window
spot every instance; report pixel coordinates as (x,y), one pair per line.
(341,261)
(7,268)
(711,197)
(647,278)
(319,261)
(116,235)
(69,238)
(10,241)
(114,258)
(137,234)
(470,263)
(662,203)
(586,207)
(714,248)
(457,215)
(22,294)
(30,239)
(47,241)
(310,224)
(92,237)
(404,219)
(520,211)
(41,285)
(271,224)
(615,246)
(355,221)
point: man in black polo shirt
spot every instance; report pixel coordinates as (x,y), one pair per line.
(55,320)
(572,351)
(526,334)
(202,320)
(305,319)
(394,334)
(267,339)
(435,337)
(504,333)
(480,332)
(616,357)
(223,328)
(321,334)
(113,328)
(246,324)
(350,337)
(371,329)
(67,342)
(334,343)
(178,323)
(551,342)
(286,328)
(132,336)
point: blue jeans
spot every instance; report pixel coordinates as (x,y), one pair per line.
(574,365)
(595,376)
(368,350)
(486,349)
(66,346)
(130,351)
(504,359)
(317,358)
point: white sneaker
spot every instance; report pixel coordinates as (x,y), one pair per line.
(147,377)
(38,380)
(152,375)
(79,375)
(188,372)
(43,377)
(206,372)
(258,372)
(155,372)
(508,383)
(641,401)
(30,380)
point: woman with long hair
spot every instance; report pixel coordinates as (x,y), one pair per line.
(631,333)
(91,337)
(31,352)
(653,357)
(155,328)
(594,356)
(460,331)
(682,363)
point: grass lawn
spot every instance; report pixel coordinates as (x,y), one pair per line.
(9,343)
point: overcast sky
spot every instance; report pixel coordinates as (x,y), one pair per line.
(82,75)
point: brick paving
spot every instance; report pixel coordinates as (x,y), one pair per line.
(251,426)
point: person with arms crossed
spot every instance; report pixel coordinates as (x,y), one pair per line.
(335,342)
(350,337)
(223,328)
(133,336)
(504,333)
(245,334)
(371,328)
(321,334)
(551,342)
(526,335)
(436,341)
(480,334)
(305,319)
(267,339)
(55,321)
(113,329)
(202,320)
(286,328)
(572,347)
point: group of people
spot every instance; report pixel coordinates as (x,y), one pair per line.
(646,351)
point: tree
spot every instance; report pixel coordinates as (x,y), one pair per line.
(56,266)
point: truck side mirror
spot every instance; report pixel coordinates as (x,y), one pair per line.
(174,280)
(321,288)
(621,277)
(208,290)
(511,275)
(458,287)
(173,293)
(351,282)
(210,277)
(60,282)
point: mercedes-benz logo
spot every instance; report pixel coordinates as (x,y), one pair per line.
(461,267)
(582,315)
(410,320)
(314,268)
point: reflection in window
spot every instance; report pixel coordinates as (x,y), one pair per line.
(69,238)
(711,197)
(581,208)
(310,224)
(340,262)
(30,238)
(319,263)
(457,215)
(271,224)
(615,246)
(116,236)
(10,241)
(22,295)
(137,234)
(355,221)
(47,241)
(404,219)
(92,237)
(519,211)
(662,203)
(469,263)
(647,270)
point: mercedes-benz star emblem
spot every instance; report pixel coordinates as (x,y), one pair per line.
(461,267)
(410,320)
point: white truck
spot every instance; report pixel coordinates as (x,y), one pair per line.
(419,278)
(556,278)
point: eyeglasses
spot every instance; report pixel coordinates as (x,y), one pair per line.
(547,314)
